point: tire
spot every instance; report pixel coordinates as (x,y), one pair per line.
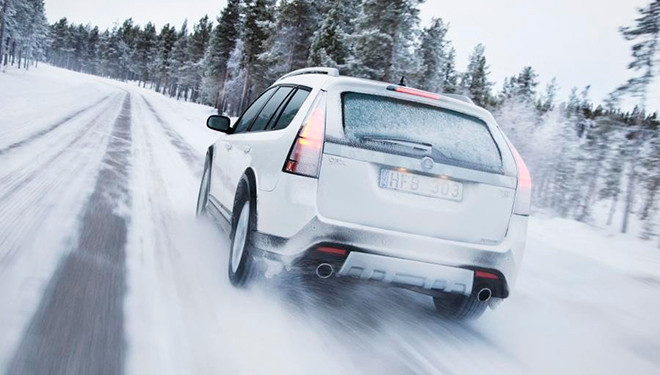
(203,195)
(241,264)
(459,307)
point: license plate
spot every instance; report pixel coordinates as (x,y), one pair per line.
(421,185)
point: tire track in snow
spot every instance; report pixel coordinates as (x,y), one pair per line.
(79,325)
(52,127)
(18,182)
(36,187)
(188,154)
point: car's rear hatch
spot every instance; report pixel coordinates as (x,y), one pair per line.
(401,164)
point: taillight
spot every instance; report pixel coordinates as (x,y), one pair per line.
(524,192)
(305,156)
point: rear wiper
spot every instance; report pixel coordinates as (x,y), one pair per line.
(421,146)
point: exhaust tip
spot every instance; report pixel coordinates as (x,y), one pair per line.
(484,294)
(324,270)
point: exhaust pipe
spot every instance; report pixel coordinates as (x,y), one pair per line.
(484,294)
(324,270)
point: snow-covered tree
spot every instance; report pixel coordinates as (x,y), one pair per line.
(450,76)
(178,86)
(193,69)
(475,82)
(433,53)
(145,52)
(222,43)
(259,18)
(384,38)
(646,35)
(161,65)
(288,45)
(547,101)
(23,32)
(330,46)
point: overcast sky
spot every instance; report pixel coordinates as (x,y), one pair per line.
(575,40)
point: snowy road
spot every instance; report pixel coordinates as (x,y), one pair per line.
(104,268)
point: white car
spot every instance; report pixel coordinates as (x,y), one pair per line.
(372,181)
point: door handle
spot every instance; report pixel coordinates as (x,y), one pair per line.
(228,146)
(246,149)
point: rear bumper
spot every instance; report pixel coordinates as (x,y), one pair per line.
(425,276)
(395,256)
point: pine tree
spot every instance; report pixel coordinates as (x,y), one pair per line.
(330,46)
(634,141)
(177,86)
(193,68)
(475,81)
(646,34)
(287,48)
(127,34)
(547,102)
(145,52)
(23,32)
(5,12)
(386,31)
(433,55)
(524,85)
(257,29)
(233,88)
(161,66)
(450,76)
(222,43)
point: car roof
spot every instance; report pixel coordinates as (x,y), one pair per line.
(330,81)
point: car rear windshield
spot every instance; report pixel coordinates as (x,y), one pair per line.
(450,136)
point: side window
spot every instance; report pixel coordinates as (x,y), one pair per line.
(270,108)
(291,109)
(252,111)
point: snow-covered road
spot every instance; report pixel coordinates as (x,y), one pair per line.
(105,269)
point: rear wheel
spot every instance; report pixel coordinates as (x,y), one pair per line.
(459,307)
(241,265)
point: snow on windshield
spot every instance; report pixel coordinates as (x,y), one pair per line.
(454,135)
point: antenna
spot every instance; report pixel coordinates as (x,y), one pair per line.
(403,81)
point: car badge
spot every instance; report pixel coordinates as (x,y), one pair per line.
(427,163)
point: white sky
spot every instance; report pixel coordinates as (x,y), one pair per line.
(575,40)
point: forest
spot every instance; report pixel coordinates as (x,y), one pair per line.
(592,162)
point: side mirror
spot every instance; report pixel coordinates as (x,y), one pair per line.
(218,123)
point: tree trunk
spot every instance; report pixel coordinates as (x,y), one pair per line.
(220,102)
(591,194)
(13,52)
(27,59)
(5,6)
(610,216)
(245,88)
(629,197)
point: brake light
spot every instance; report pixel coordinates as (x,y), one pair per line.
(331,250)
(486,275)
(524,191)
(410,91)
(305,156)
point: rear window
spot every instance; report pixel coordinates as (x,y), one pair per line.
(448,136)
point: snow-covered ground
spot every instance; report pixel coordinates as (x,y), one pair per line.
(81,154)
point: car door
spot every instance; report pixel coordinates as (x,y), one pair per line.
(249,144)
(224,159)
(271,146)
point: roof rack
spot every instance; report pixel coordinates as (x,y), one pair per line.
(332,72)
(462,98)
